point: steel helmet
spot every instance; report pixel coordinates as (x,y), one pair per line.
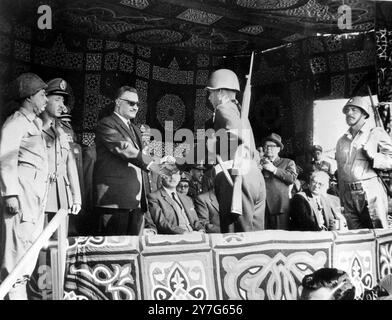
(28,84)
(362,103)
(223,79)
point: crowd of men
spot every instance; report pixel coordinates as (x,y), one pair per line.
(135,193)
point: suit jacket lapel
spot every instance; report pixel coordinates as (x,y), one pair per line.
(184,205)
(313,205)
(138,135)
(277,161)
(328,210)
(214,201)
(169,200)
(124,127)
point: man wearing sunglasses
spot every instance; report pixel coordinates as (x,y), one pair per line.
(120,172)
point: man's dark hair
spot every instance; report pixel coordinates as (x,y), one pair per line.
(336,280)
(123,89)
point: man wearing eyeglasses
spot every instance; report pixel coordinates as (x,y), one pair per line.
(120,172)
(279,174)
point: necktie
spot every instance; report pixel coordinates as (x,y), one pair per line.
(175,199)
(133,134)
(320,214)
(182,217)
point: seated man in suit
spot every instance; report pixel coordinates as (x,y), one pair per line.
(172,212)
(314,209)
(207,208)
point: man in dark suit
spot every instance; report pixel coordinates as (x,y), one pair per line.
(279,174)
(207,208)
(314,209)
(172,212)
(120,170)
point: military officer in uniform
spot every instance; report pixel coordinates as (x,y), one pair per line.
(64,188)
(317,163)
(360,151)
(23,180)
(235,133)
(183,185)
(195,182)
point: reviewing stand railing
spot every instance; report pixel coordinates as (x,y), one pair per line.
(57,255)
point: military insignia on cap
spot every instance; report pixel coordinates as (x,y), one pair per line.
(63,85)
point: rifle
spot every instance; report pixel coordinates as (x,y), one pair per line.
(382,174)
(247,92)
(236,201)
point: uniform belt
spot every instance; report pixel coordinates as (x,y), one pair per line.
(358,185)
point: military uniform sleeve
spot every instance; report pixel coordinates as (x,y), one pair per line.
(383,157)
(72,172)
(11,137)
(115,143)
(287,174)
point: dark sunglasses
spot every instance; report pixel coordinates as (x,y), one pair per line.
(131,103)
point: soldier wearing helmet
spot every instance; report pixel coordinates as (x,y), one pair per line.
(64,188)
(223,86)
(361,150)
(23,177)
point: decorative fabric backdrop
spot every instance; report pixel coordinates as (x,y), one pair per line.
(171,83)
(287,80)
(260,265)
(383,31)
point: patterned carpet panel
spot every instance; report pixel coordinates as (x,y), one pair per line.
(265,265)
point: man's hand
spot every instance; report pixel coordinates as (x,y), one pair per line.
(154,166)
(168,159)
(12,205)
(149,231)
(267,165)
(75,208)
